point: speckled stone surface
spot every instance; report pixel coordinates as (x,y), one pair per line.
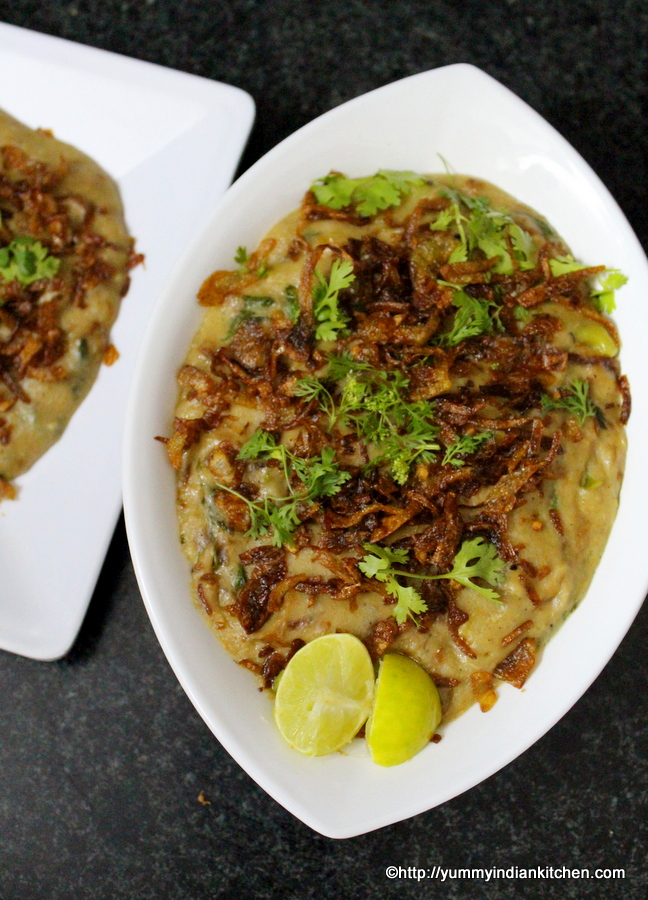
(102,757)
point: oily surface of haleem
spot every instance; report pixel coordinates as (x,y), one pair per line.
(65,253)
(386,392)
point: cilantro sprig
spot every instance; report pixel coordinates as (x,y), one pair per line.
(242,258)
(609,281)
(478,226)
(603,297)
(374,403)
(475,559)
(378,564)
(330,320)
(291,303)
(574,399)
(318,476)
(26,260)
(473,317)
(369,195)
(464,446)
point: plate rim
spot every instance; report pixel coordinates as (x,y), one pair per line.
(216,97)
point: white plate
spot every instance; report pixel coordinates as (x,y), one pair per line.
(172,141)
(482,129)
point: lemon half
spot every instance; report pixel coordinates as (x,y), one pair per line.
(325,694)
(406,711)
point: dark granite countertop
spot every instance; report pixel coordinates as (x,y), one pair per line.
(102,756)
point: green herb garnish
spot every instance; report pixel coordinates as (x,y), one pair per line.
(25,260)
(495,233)
(258,301)
(239,580)
(574,399)
(609,281)
(374,404)
(291,303)
(241,257)
(466,445)
(523,315)
(603,298)
(327,313)
(473,317)
(320,476)
(369,195)
(475,559)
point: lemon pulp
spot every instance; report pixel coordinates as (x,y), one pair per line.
(406,711)
(325,694)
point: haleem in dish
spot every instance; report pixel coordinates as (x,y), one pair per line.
(65,254)
(402,418)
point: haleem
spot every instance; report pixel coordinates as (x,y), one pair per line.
(402,418)
(65,253)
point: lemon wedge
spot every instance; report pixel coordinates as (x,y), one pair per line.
(325,694)
(406,711)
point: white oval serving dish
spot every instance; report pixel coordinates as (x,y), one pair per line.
(482,129)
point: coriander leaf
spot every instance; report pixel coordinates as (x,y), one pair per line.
(370,195)
(320,476)
(477,559)
(259,301)
(323,477)
(610,281)
(377,562)
(495,233)
(240,579)
(291,302)
(26,260)
(311,388)
(445,219)
(401,451)
(353,394)
(613,280)
(523,246)
(374,195)
(340,366)
(464,446)
(401,180)
(474,204)
(471,319)
(487,231)
(241,257)
(374,404)
(329,319)
(334,190)
(562,265)
(261,442)
(283,519)
(410,603)
(453,219)
(574,399)
(522,314)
